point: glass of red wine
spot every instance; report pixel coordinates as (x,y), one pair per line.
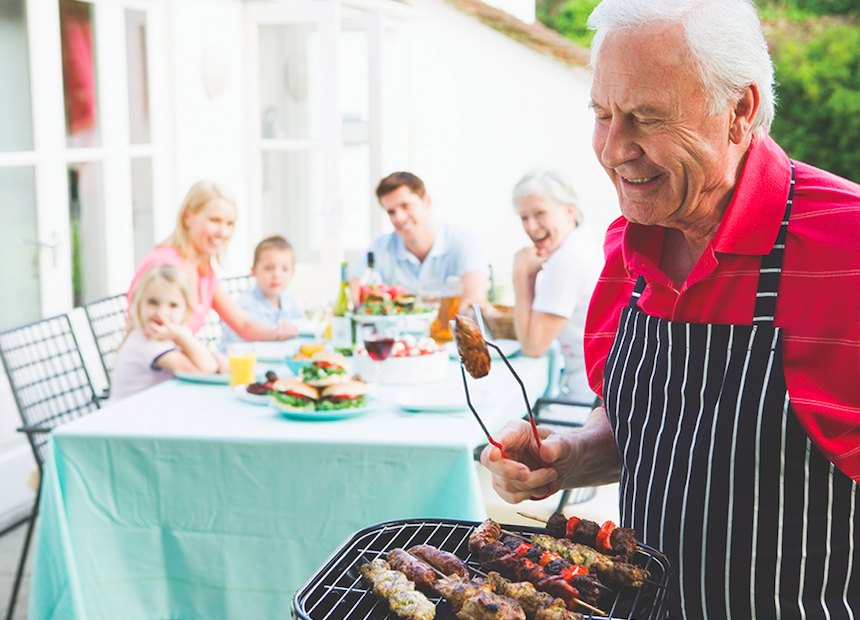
(378,340)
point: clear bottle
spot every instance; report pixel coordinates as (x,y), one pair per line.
(342,331)
(369,279)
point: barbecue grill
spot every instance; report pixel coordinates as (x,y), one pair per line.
(337,592)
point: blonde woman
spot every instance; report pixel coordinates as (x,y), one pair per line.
(160,342)
(204,226)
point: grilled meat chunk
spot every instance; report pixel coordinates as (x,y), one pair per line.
(529,598)
(442,561)
(472,347)
(623,541)
(489,606)
(488,531)
(457,590)
(556,525)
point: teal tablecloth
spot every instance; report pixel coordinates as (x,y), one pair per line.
(185,502)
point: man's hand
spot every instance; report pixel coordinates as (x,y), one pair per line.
(576,458)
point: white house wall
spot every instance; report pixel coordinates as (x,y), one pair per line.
(485,109)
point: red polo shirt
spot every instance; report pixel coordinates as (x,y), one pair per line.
(818,304)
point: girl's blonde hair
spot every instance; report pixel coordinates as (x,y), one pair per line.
(169,274)
(197,198)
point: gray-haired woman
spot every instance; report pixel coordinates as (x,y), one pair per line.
(554,278)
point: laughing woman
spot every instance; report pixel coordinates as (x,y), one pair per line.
(554,277)
(203,228)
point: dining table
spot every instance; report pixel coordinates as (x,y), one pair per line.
(187,501)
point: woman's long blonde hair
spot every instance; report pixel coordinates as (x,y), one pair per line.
(169,274)
(196,198)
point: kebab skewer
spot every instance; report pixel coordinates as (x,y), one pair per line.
(394,587)
(606,538)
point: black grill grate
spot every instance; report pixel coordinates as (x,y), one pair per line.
(337,592)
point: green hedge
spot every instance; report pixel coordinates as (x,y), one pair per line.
(818,94)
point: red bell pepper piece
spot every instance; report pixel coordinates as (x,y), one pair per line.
(572,571)
(570,528)
(522,549)
(603,544)
(547,557)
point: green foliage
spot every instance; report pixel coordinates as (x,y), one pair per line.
(569,17)
(818,77)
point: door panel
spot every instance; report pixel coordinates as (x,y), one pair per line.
(19,247)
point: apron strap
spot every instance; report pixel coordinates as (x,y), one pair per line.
(771,267)
(637,291)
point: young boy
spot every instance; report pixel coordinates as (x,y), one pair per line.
(268,302)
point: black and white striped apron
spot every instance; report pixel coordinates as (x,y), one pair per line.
(719,474)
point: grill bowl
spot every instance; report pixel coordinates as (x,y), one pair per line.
(336,590)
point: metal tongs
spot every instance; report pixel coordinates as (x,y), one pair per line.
(479,320)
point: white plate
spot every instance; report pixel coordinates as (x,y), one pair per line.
(436,401)
(203,377)
(508,347)
(242,393)
(330,414)
(275,351)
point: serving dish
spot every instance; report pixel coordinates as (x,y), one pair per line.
(326,414)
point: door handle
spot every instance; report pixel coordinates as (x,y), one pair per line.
(53,244)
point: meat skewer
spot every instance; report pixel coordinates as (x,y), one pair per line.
(493,555)
(606,538)
(596,562)
(415,569)
(395,588)
(445,562)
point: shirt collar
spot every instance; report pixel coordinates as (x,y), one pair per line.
(749,225)
(439,247)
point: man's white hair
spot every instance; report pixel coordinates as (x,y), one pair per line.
(725,38)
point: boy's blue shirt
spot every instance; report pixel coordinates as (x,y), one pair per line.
(259,309)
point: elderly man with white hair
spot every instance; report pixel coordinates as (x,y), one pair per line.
(724,332)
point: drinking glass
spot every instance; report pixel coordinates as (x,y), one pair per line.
(318,317)
(378,341)
(243,358)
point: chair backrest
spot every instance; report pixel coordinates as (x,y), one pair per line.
(48,378)
(108,321)
(211,331)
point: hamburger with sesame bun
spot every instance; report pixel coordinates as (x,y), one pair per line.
(326,368)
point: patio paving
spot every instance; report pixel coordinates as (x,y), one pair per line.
(10,549)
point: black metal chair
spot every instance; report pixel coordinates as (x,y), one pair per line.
(108,322)
(51,386)
(211,331)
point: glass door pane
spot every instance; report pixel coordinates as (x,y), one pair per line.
(289,62)
(138,77)
(77,37)
(16,122)
(19,247)
(141,203)
(86,219)
(288,181)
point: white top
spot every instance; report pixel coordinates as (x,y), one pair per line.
(456,251)
(135,365)
(261,310)
(564,287)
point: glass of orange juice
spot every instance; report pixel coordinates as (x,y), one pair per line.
(242,358)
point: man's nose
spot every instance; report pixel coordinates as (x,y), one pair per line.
(619,144)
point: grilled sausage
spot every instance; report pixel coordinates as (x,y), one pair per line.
(472,347)
(443,561)
(413,567)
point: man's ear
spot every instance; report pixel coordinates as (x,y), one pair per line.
(427,200)
(744,113)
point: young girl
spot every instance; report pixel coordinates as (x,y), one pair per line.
(159,341)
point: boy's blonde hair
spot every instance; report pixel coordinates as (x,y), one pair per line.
(275,242)
(169,274)
(196,198)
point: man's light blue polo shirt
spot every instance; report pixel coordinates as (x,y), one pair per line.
(456,251)
(259,309)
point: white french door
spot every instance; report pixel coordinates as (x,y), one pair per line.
(295,133)
(78,158)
